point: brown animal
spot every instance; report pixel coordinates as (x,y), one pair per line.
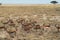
(47,25)
(37,27)
(11,23)
(27,27)
(44,26)
(2,27)
(58,27)
(4,22)
(33,22)
(11,31)
(20,20)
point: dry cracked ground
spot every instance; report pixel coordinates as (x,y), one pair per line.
(36,22)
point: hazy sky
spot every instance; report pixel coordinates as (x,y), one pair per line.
(26,1)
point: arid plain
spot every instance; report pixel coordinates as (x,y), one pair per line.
(30,22)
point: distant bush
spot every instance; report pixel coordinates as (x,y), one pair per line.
(54,2)
(0,3)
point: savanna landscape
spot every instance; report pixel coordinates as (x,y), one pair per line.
(30,22)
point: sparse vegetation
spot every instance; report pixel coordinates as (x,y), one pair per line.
(27,23)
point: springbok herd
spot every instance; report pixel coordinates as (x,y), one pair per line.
(19,28)
(32,22)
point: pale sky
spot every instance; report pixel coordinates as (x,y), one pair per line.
(26,1)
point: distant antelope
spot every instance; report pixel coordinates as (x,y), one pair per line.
(37,27)
(58,27)
(11,22)
(48,25)
(27,27)
(11,31)
(33,23)
(20,20)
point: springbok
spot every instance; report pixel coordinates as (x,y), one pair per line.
(57,26)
